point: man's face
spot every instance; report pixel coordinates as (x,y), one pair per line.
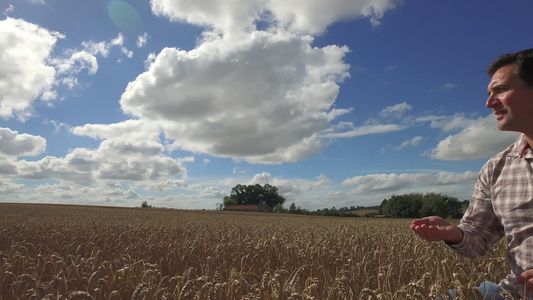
(511,100)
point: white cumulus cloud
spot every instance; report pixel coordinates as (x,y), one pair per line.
(298,16)
(25,74)
(265,99)
(14,144)
(480,139)
(383,183)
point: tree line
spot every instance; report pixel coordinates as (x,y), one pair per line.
(413,205)
(417,205)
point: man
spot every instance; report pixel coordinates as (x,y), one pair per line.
(502,203)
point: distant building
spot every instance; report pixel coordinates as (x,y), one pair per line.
(261,207)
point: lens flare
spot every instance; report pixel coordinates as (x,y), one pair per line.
(125,17)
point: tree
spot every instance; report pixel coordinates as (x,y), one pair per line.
(402,206)
(145,205)
(382,207)
(292,208)
(432,205)
(279,208)
(440,205)
(254,194)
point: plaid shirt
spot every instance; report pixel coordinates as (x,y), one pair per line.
(502,205)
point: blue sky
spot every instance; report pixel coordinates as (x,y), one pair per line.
(175,102)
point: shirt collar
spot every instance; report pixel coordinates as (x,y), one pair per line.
(523,145)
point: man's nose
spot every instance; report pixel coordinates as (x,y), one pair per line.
(491,101)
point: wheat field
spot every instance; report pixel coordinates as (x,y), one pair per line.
(84,252)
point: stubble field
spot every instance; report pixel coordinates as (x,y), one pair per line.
(81,252)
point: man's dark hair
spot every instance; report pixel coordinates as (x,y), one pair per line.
(523,61)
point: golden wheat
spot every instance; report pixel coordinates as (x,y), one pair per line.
(80,252)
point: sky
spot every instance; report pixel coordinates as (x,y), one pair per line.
(174,102)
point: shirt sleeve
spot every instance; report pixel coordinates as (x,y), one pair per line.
(480,225)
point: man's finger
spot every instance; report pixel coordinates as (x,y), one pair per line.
(426,233)
(525,277)
(421,221)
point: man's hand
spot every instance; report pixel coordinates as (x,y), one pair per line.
(526,279)
(437,229)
